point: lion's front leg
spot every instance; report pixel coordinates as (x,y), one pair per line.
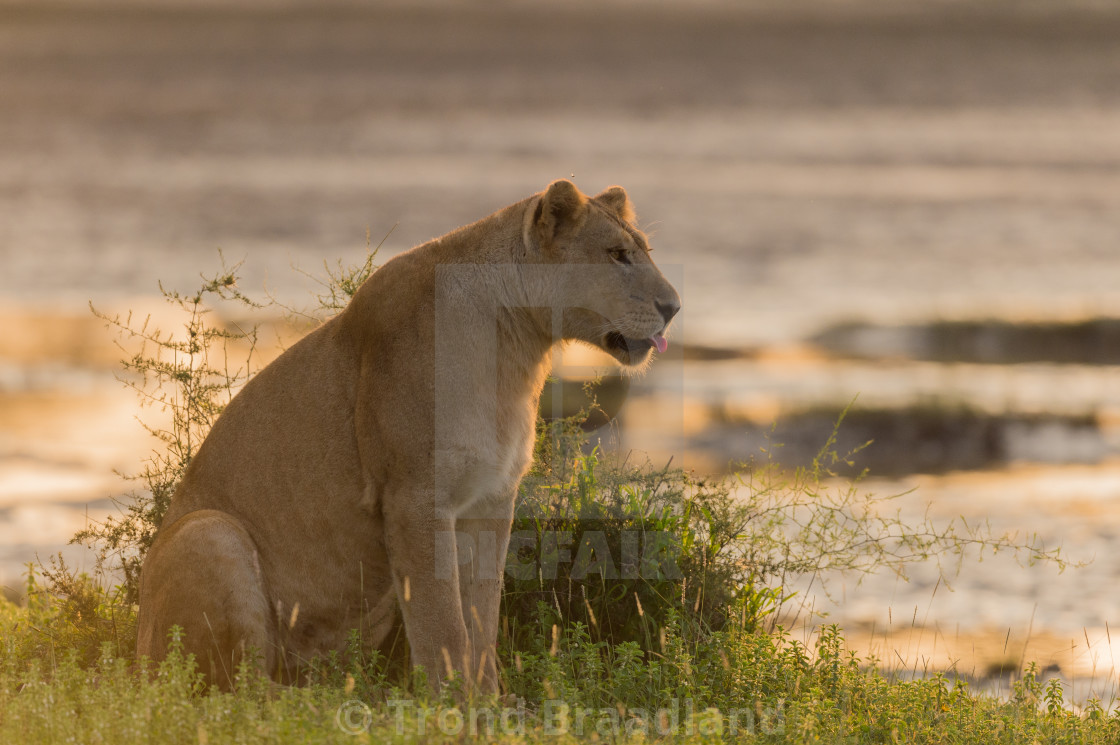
(482,543)
(422,560)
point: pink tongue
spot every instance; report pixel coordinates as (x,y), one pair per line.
(660,342)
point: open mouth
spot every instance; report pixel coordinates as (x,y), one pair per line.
(628,348)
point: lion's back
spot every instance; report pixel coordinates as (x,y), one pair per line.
(285,442)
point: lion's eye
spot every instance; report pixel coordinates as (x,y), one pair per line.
(620,255)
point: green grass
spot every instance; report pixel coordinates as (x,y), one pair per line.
(680,643)
(765,686)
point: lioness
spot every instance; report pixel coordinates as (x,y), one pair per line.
(373,466)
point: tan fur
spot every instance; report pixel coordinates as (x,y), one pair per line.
(370,471)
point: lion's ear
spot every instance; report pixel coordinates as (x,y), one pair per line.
(616,200)
(562,207)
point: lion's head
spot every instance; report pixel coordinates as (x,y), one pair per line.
(611,293)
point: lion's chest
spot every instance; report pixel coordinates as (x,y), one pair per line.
(485,472)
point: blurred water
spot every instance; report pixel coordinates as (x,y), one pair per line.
(803,167)
(799,168)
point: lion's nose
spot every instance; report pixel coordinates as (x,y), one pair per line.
(668,309)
